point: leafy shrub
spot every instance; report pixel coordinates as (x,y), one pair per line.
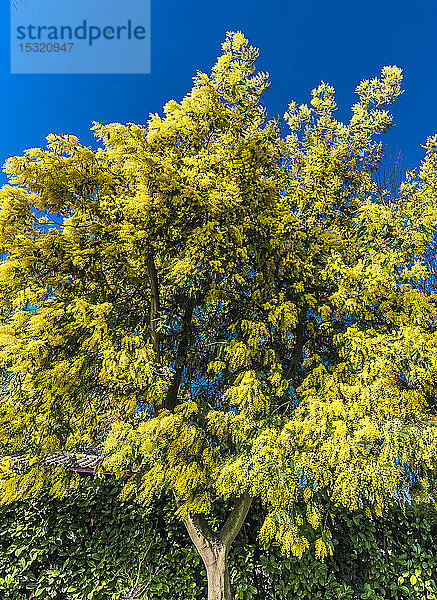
(93,546)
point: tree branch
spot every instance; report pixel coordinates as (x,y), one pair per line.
(171,398)
(154,306)
(200,532)
(235,520)
(300,341)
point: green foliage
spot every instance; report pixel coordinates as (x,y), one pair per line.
(92,546)
(225,305)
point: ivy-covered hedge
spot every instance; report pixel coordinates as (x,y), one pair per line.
(95,547)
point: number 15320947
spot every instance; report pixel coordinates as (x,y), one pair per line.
(45,47)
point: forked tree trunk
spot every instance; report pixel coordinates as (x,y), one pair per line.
(214,547)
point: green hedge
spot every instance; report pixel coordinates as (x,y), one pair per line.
(95,547)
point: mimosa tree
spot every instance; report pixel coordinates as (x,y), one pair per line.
(227,306)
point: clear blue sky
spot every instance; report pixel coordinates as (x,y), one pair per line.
(300,44)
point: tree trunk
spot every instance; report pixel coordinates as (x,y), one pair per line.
(214,547)
(217,571)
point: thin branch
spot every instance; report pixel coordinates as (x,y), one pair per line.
(300,341)
(181,356)
(154,307)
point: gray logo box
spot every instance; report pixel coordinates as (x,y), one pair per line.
(80,36)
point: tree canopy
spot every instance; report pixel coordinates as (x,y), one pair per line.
(228,306)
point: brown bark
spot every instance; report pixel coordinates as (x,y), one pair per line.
(214,547)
